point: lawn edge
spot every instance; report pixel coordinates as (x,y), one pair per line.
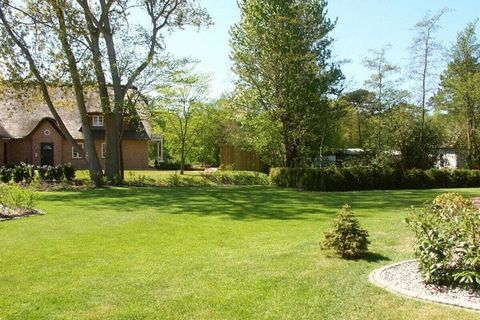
(375,278)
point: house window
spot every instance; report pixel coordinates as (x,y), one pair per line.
(98,121)
(75,153)
(104,150)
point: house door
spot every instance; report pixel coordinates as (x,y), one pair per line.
(46,154)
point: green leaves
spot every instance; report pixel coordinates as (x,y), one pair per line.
(281,56)
(346,238)
(447,240)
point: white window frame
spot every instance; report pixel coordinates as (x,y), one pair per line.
(75,153)
(98,121)
(104,150)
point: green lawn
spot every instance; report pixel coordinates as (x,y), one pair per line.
(130,175)
(204,253)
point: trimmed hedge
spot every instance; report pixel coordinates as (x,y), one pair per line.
(372,178)
(26,173)
(224,177)
(172,166)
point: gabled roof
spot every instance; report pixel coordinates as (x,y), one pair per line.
(21,112)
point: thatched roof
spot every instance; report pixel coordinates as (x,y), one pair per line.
(3,131)
(21,111)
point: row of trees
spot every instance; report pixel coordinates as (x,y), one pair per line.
(290,107)
(444,116)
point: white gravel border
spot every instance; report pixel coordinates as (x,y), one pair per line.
(380,277)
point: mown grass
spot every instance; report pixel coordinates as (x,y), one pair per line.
(204,253)
(152,174)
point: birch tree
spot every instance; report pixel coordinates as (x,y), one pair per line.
(424,58)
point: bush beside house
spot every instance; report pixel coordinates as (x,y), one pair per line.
(26,173)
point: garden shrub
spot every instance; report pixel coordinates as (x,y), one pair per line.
(172,166)
(370,178)
(51,173)
(346,238)
(5,174)
(22,172)
(68,172)
(448,240)
(237,177)
(174,180)
(16,197)
(26,173)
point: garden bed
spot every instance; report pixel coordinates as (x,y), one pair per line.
(9,214)
(406,279)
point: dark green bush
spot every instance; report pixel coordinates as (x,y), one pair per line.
(51,173)
(448,240)
(68,172)
(5,174)
(57,173)
(172,166)
(237,177)
(346,238)
(22,172)
(370,178)
(26,173)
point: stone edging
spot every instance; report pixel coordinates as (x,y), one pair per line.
(376,278)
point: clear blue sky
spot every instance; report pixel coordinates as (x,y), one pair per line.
(362,25)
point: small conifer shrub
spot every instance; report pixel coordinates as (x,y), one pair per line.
(347,238)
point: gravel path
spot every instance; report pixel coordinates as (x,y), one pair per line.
(404,278)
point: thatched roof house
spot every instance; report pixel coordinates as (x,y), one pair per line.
(29,132)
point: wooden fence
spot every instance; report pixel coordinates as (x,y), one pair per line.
(239,159)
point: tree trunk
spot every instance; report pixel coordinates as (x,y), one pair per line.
(360,140)
(93,162)
(112,140)
(182,158)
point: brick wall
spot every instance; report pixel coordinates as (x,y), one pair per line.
(67,156)
(41,136)
(1,153)
(19,151)
(135,154)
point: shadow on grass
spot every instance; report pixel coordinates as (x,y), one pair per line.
(372,257)
(253,202)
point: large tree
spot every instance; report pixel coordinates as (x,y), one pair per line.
(105,43)
(281,54)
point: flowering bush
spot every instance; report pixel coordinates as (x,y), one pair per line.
(448,240)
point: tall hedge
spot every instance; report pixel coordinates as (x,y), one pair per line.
(372,178)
